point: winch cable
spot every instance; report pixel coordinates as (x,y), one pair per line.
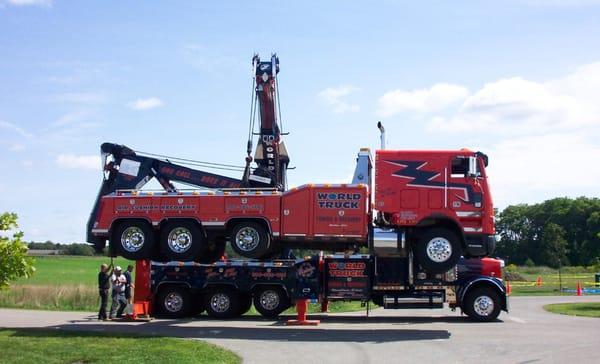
(194,162)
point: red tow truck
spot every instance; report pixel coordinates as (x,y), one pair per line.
(419,214)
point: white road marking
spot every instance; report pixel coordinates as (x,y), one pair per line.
(517,320)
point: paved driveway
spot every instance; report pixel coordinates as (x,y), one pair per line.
(527,335)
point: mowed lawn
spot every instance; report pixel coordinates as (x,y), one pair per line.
(586,309)
(551,281)
(44,346)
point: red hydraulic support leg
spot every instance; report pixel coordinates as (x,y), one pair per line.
(301,308)
(142,302)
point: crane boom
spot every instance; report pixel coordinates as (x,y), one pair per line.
(271,155)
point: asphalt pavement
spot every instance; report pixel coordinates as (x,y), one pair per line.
(528,334)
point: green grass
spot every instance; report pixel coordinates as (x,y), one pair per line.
(44,346)
(587,309)
(59,283)
(69,270)
(550,281)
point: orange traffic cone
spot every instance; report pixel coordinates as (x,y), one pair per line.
(579,290)
(508,290)
(539,281)
(301,308)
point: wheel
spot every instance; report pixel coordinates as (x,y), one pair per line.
(482,304)
(250,239)
(438,250)
(271,301)
(174,302)
(133,239)
(245,304)
(222,302)
(180,240)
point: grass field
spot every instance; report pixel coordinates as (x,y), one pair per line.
(587,309)
(551,282)
(43,346)
(59,283)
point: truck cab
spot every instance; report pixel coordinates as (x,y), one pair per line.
(438,201)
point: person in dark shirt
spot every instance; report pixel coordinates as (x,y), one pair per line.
(103,287)
(129,283)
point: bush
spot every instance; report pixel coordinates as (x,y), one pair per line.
(529,263)
(78,249)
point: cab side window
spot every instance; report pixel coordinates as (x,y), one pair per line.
(460,167)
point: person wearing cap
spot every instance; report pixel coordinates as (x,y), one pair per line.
(119,302)
(103,287)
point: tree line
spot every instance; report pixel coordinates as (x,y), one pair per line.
(557,232)
(64,249)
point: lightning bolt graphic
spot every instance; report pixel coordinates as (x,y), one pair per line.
(422,178)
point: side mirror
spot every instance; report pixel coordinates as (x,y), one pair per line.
(473,170)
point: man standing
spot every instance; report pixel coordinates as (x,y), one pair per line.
(129,283)
(119,302)
(103,286)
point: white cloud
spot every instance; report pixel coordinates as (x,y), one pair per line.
(542,137)
(46,3)
(516,106)
(146,104)
(334,97)
(72,161)
(437,97)
(15,129)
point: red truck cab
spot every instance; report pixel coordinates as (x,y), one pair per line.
(440,199)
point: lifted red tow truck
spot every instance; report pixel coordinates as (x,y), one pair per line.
(436,203)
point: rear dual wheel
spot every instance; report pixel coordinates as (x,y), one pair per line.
(181,240)
(250,239)
(133,239)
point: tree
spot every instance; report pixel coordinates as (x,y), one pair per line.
(553,246)
(14,262)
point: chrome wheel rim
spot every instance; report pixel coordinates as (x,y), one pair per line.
(439,249)
(220,302)
(269,300)
(483,305)
(173,302)
(247,239)
(132,239)
(179,240)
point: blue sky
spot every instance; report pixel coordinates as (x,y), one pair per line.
(517,79)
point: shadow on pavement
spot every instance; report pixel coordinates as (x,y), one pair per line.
(314,334)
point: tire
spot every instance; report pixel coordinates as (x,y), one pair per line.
(250,239)
(438,250)
(222,302)
(482,304)
(271,301)
(133,240)
(174,302)
(181,240)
